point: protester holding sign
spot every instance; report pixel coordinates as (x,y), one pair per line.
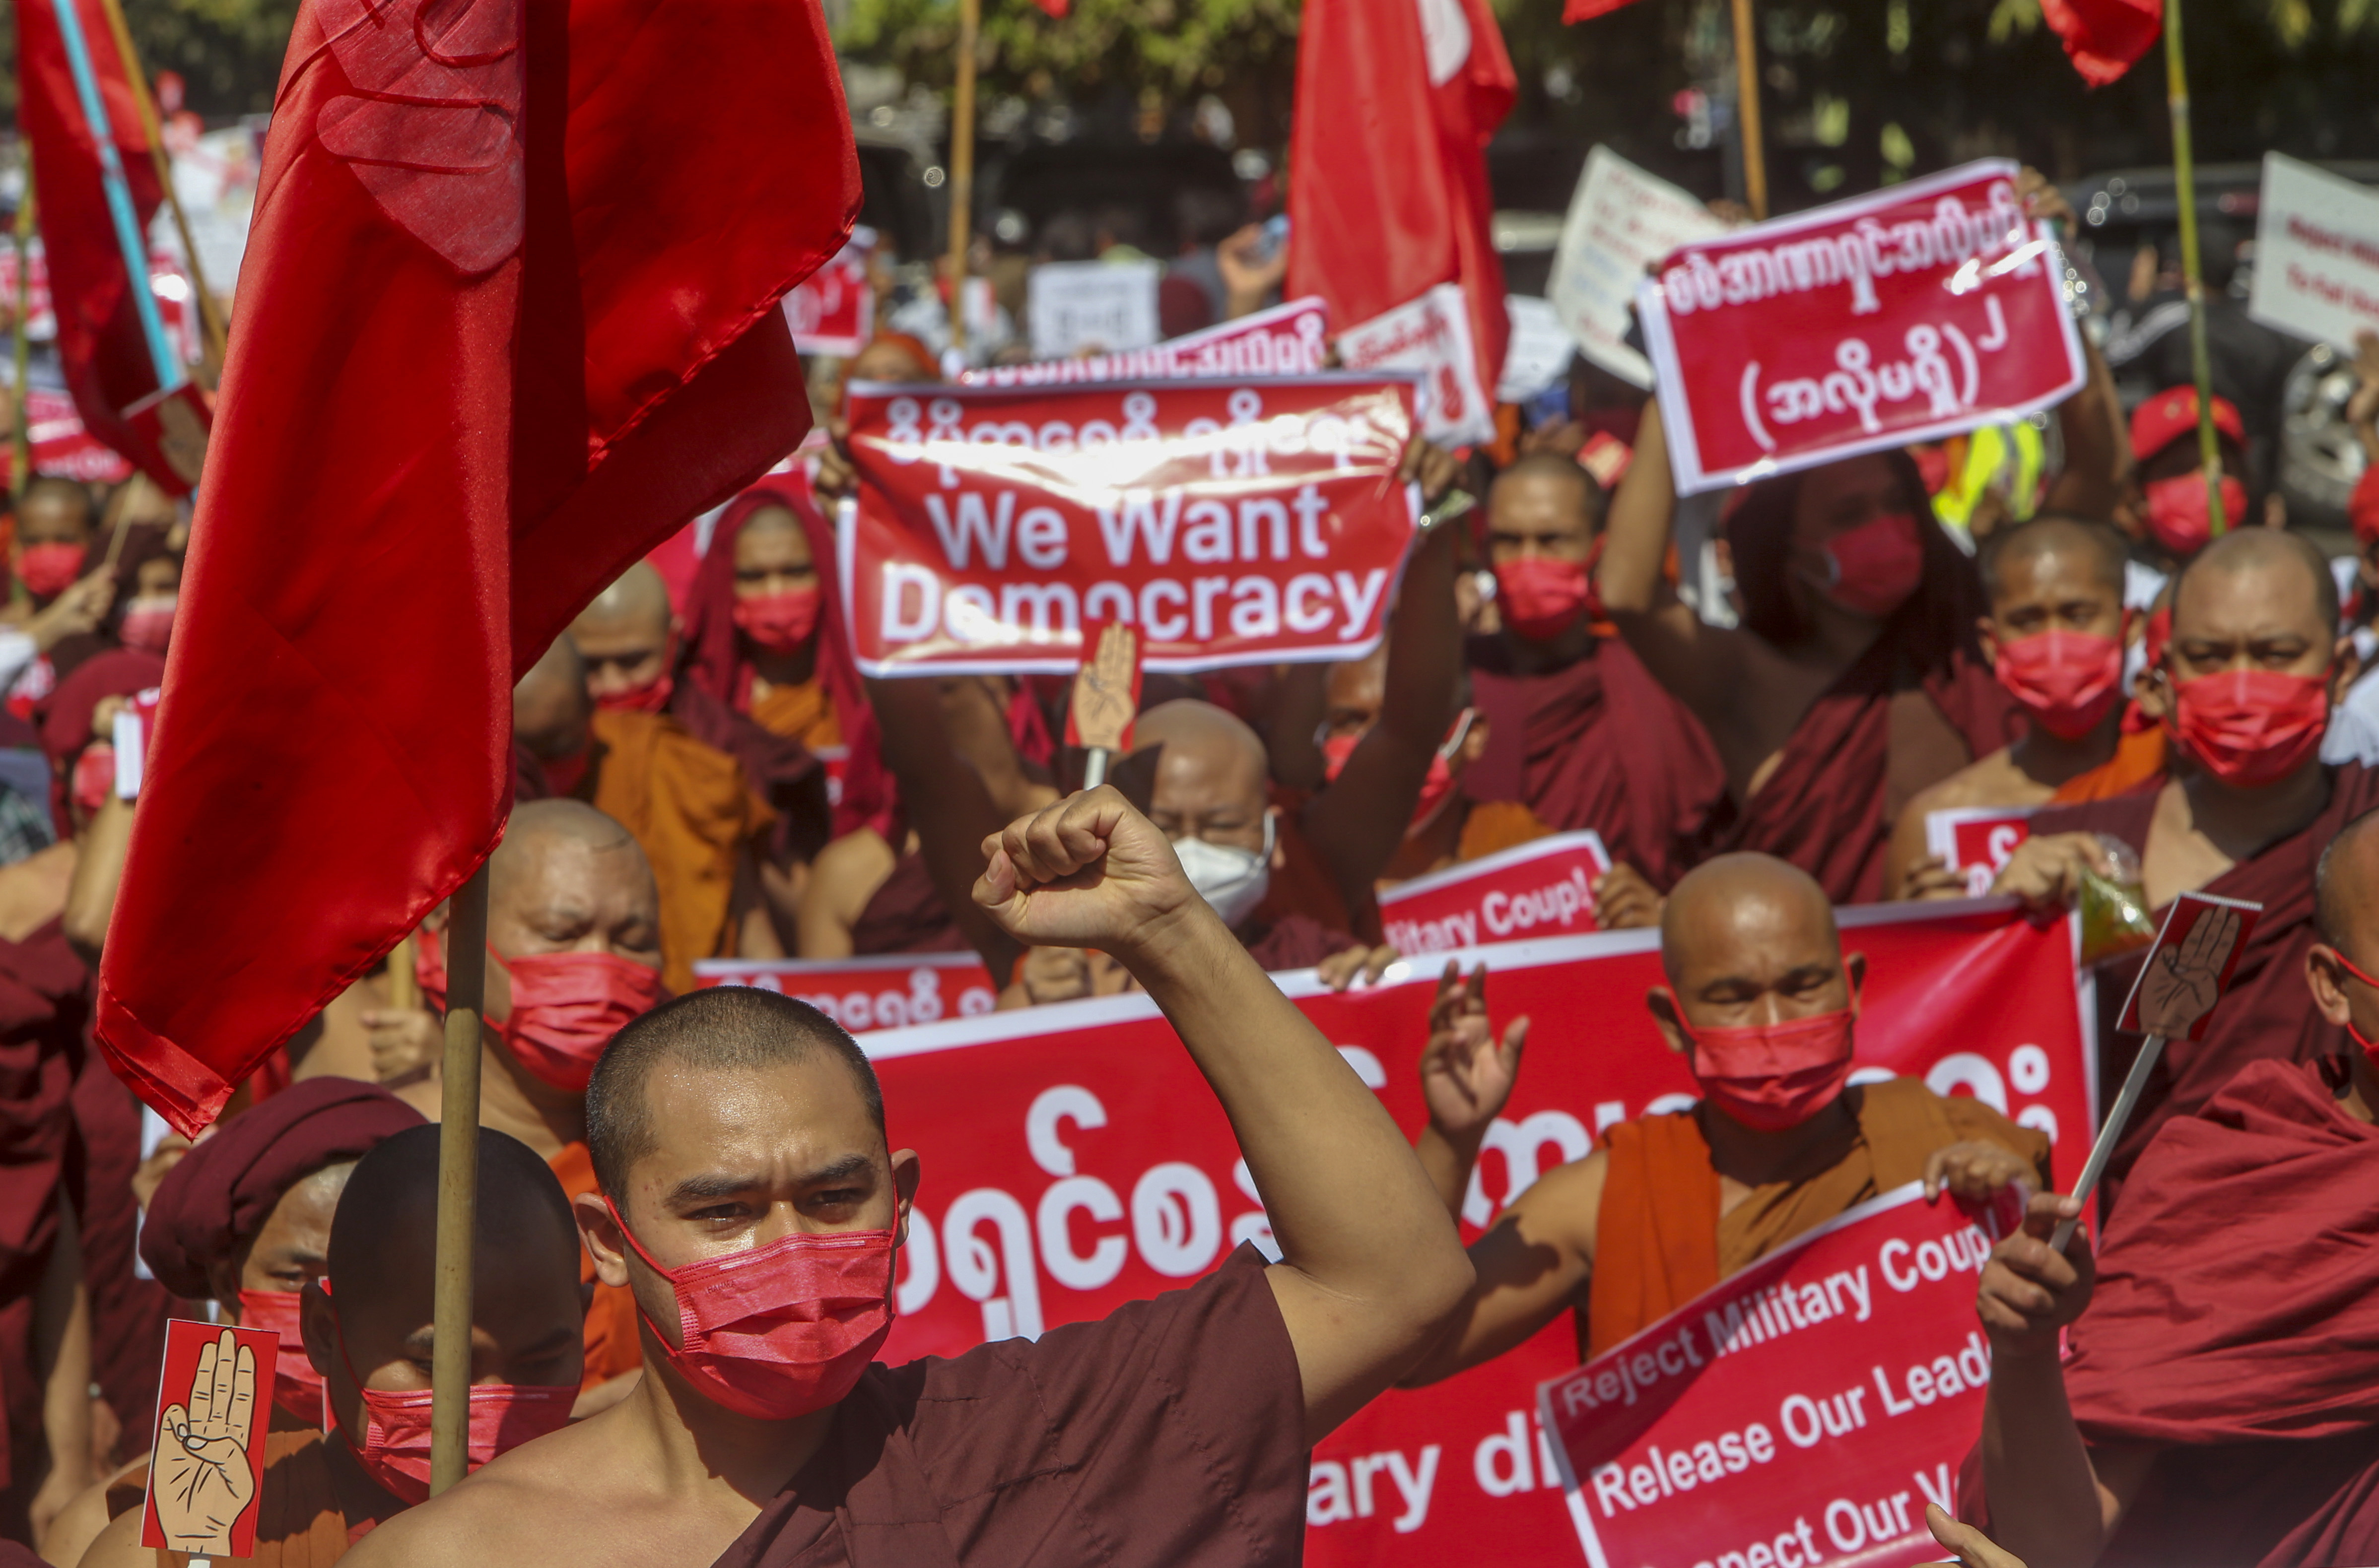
(2241,1429)
(2255,664)
(1762,1004)
(2166,509)
(745,1171)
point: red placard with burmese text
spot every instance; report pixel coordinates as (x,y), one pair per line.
(1803,1412)
(1922,310)
(1543,888)
(877,991)
(1076,1161)
(1290,339)
(1978,841)
(1225,522)
(833,310)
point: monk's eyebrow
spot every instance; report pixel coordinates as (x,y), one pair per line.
(713,1186)
(849,1167)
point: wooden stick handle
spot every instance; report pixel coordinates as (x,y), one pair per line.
(458,1184)
(2101,1152)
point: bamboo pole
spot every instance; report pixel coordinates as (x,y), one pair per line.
(458,1184)
(2184,179)
(1747,109)
(210,320)
(21,472)
(962,167)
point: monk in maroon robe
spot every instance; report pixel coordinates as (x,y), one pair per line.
(1853,680)
(2255,655)
(2217,1404)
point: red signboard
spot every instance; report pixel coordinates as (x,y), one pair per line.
(1287,340)
(833,310)
(1544,888)
(1226,522)
(1076,1161)
(880,991)
(206,1463)
(1917,312)
(1977,840)
(1802,1413)
(2196,952)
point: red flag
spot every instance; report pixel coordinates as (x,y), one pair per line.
(2104,37)
(508,316)
(1418,86)
(101,345)
(1587,10)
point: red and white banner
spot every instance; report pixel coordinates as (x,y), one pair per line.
(1977,840)
(1803,1412)
(833,310)
(1287,340)
(1917,312)
(1429,337)
(1225,522)
(61,444)
(879,991)
(1543,888)
(1076,1161)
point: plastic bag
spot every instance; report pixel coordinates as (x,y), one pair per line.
(2115,917)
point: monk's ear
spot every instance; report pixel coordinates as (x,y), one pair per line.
(1474,744)
(1279,859)
(2345,668)
(1668,1018)
(601,1233)
(907,1171)
(2320,979)
(1854,967)
(1987,632)
(318,1326)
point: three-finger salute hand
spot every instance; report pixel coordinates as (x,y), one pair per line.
(2185,981)
(1087,872)
(204,1481)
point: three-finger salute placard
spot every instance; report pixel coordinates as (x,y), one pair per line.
(2189,967)
(208,1457)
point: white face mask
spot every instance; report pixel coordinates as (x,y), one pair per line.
(1232,880)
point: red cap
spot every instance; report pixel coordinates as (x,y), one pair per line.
(2172,414)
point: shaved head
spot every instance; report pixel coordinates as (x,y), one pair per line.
(552,712)
(1188,724)
(537,823)
(384,1235)
(2285,571)
(2346,886)
(1724,903)
(2092,551)
(726,1030)
(1211,774)
(639,599)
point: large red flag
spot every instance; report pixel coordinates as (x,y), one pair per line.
(1387,183)
(508,316)
(2103,38)
(102,348)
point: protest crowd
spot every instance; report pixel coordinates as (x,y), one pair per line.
(1144,913)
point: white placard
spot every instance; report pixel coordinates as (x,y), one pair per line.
(1430,335)
(2316,253)
(1621,221)
(1093,306)
(1540,350)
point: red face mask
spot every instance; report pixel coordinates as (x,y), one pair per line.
(566,1007)
(395,1449)
(780,624)
(297,1387)
(148,626)
(94,776)
(2179,518)
(781,1330)
(1541,597)
(2369,1049)
(645,696)
(48,570)
(1774,1076)
(2251,727)
(2068,681)
(1871,570)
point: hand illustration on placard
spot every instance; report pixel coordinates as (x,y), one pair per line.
(2184,980)
(203,1479)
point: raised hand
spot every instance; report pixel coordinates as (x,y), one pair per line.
(203,1482)
(1087,872)
(2030,1291)
(2184,980)
(1466,1074)
(1624,900)
(1103,704)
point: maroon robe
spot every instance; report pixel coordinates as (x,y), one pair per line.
(2267,1014)
(906,915)
(781,770)
(127,1313)
(1170,1434)
(1596,744)
(1294,940)
(2236,1327)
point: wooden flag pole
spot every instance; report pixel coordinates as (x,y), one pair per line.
(210,320)
(20,472)
(2184,179)
(458,1184)
(962,167)
(1747,109)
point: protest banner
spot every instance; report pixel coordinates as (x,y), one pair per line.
(877,991)
(1803,1411)
(1977,840)
(62,445)
(1091,307)
(1620,222)
(1540,350)
(1076,1161)
(1227,522)
(1429,337)
(2316,253)
(833,310)
(206,1464)
(1781,346)
(1543,888)
(1286,340)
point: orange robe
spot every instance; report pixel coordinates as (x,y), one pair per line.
(2137,759)
(612,1345)
(802,712)
(1493,827)
(690,808)
(1660,1239)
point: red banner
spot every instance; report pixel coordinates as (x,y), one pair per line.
(1076,1161)
(1226,522)
(881,991)
(1977,840)
(1287,340)
(833,310)
(1919,311)
(1545,888)
(1803,1412)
